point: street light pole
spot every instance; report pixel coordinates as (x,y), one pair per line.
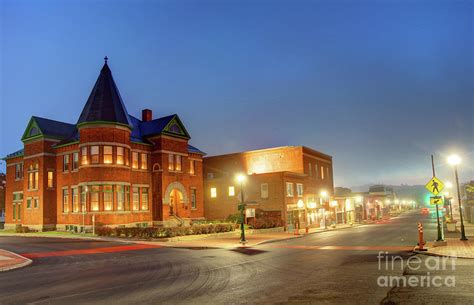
(241,179)
(463,233)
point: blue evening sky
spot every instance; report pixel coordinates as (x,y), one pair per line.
(379,85)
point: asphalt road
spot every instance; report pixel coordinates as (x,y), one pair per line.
(336,267)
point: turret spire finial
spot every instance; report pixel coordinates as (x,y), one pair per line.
(106,58)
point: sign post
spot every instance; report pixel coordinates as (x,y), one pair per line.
(435,186)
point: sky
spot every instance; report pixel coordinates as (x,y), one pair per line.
(378,85)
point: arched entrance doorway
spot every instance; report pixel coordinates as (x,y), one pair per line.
(176,200)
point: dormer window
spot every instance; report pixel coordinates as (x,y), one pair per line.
(174,128)
(33,131)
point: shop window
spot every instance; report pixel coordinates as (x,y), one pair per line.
(108,155)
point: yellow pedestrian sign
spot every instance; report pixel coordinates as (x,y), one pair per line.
(435,186)
(436,200)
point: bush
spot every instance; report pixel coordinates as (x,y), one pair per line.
(153,232)
(266,223)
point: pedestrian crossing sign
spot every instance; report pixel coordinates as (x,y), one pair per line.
(436,200)
(435,186)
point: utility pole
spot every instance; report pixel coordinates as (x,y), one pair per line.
(440,236)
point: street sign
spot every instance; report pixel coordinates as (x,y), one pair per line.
(250,212)
(435,186)
(436,200)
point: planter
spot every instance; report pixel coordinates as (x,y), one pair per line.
(451,226)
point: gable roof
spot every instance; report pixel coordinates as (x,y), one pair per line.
(164,126)
(105,103)
(38,127)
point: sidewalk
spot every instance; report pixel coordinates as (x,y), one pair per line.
(455,248)
(216,240)
(10,260)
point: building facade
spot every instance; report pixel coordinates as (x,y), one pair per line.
(291,182)
(110,168)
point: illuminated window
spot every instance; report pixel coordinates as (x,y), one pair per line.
(127,197)
(95,198)
(289,189)
(193,198)
(322,173)
(33,177)
(231,191)
(144,198)
(127,158)
(191,167)
(171,162)
(75,199)
(50,179)
(65,163)
(108,197)
(178,163)
(299,189)
(135,198)
(213,192)
(120,198)
(264,190)
(83,198)
(75,161)
(310,169)
(134,160)
(108,155)
(94,154)
(84,155)
(144,161)
(120,155)
(65,200)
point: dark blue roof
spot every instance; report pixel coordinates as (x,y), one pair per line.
(156,126)
(105,103)
(17,153)
(194,150)
(54,128)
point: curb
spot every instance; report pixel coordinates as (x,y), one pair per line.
(26,262)
(427,253)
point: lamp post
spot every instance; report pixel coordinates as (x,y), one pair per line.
(449,185)
(241,179)
(455,160)
(324,194)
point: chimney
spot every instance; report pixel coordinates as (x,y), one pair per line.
(147,115)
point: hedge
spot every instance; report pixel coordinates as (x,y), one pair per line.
(159,232)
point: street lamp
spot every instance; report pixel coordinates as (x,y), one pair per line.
(455,160)
(241,179)
(324,194)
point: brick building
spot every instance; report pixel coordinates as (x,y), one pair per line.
(3,182)
(285,181)
(110,168)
